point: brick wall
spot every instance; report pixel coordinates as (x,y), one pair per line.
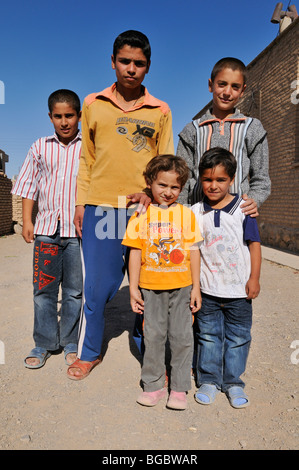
(6,225)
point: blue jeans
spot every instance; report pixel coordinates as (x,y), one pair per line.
(223,340)
(56,261)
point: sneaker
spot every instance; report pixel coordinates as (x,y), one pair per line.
(177,400)
(151,398)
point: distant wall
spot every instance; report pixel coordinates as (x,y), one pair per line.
(6,224)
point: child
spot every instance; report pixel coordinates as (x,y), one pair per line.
(224,126)
(160,258)
(230,270)
(49,173)
(123,127)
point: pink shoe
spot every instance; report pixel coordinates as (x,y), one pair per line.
(177,400)
(151,398)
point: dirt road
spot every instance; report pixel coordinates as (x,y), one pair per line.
(43,410)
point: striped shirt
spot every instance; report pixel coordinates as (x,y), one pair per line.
(49,173)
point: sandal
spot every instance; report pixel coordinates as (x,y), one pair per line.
(39,353)
(206,394)
(84,367)
(70,348)
(237,397)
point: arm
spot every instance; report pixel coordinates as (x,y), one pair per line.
(87,158)
(186,149)
(78,219)
(258,154)
(136,300)
(253,286)
(28,227)
(195,302)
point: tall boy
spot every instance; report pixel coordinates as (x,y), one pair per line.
(123,127)
(49,172)
(230,270)
(164,265)
(224,126)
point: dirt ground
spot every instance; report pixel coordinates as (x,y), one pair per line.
(44,410)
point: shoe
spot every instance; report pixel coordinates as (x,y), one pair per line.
(151,398)
(84,367)
(237,397)
(177,400)
(39,353)
(70,348)
(206,394)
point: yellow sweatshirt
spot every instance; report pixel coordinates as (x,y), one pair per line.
(117,145)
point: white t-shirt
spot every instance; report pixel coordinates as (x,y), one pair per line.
(225,265)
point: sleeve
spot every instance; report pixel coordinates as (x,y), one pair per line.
(133,235)
(258,153)
(165,143)
(192,233)
(27,183)
(186,149)
(250,230)
(87,158)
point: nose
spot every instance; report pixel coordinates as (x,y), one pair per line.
(64,121)
(131,68)
(227,90)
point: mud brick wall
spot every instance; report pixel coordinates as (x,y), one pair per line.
(6,224)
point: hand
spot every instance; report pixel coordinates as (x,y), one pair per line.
(137,302)
(195,301)
(252,288)
(249,207)
(143,202)
(78,219)
(28,232)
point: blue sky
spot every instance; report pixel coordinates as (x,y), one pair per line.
(51,44)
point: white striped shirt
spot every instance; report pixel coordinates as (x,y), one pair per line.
(49,172)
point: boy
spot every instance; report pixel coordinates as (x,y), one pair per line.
(224,126)
(49,173)
(230,270)
(161,263)
(123,127)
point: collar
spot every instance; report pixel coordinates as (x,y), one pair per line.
(229,208)
(208,117)
(56,138)
(149,100)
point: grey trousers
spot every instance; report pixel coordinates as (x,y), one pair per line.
(167,314)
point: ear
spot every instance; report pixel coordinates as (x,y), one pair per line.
(210,84)
(79,116)
(242,92)
(148,66)
(113,62)
(232,181)
(50,116)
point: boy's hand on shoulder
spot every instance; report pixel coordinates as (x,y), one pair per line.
(249,207)
(143,202)
(195,301)
(137,302)
(252,288)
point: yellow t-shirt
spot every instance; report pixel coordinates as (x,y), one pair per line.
(117,145)
(165,237)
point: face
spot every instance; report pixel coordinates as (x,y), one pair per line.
(165,188)
(131,66)
(227,89)
(215,184)
(65,121)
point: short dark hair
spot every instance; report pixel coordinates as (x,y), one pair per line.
(218,156)
(166,163)
(134,39)
(231,63)
(64,96)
